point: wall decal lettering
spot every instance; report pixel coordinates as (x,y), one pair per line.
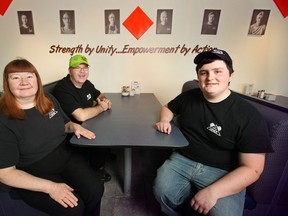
(127,49)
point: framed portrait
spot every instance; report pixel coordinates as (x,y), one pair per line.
(25,19)
(67,21)
(164,21)
(112,21)
(258,22)
(210,22)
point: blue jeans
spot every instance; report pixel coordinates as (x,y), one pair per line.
(179,175)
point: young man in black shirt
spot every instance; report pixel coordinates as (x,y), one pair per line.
(228,139)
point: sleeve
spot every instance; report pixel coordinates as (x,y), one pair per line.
(95,91)
(173,105)
(9,152)
(69,102)
(180,102)
(254,136)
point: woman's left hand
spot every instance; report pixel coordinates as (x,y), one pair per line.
(79,131)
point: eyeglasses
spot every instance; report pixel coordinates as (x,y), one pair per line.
(85,69)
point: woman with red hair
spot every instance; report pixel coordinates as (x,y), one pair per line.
(35,155)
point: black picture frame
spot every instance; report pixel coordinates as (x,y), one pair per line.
(112,21)
(164,21)
(26,25)
(259,20)
(67,21)
(210,21)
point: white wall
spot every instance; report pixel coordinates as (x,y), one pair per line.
(258,60)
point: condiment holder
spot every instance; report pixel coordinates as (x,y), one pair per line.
(125,91)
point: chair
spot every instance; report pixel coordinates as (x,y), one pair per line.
(190,85)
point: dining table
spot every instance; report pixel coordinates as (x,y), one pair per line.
(130,123)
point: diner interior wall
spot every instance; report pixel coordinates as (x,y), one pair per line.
(258,60)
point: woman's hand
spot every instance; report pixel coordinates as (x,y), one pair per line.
(62,193)
(79,131)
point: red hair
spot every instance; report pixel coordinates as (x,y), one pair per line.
(8,103)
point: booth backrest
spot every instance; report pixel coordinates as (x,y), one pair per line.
(49,87)
(275,162)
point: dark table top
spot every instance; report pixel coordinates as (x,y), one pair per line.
(130,123)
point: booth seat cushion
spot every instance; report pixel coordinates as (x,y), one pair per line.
(13,206)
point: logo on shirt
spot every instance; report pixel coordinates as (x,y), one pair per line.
(88,96)
(52,113)
(214,128)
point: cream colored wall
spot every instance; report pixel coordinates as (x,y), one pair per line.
(258,60)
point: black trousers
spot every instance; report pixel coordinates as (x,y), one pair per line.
(66,166)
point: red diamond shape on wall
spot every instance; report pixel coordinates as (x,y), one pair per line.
(4,6)
(138,23)
(283,6)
